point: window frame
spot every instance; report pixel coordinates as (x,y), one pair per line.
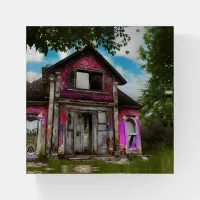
(134,126)
(88,70)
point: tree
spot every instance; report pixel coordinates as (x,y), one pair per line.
(157,97)
(63,38)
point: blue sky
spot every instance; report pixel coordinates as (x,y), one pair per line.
(127,65)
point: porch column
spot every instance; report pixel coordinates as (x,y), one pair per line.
(54,148)
(50,115)
(41,138)
(115,98)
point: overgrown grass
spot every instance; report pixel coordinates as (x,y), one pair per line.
(161,161)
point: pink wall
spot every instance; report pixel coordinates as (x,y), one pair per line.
(136,144)
(91,63)
(42,110)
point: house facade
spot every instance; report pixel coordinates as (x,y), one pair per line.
(77,108)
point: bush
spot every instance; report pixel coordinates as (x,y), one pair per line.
(131,156)
(155,134)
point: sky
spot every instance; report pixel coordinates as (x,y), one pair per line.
(128,65)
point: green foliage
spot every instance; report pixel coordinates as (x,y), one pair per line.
(42,157)
(161,161)
(132,156)
(155,134)
(158,54)
(62,38)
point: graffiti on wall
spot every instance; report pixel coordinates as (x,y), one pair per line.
(41,111)
(90,63)
(62,128)
(35,117)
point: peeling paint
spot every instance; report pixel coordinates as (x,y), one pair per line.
(40,110)
(62,129)
(91,63)
(136,143)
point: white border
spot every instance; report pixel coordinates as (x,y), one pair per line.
(184,184)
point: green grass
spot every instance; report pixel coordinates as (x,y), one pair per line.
(161,161)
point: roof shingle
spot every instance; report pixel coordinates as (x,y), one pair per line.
(34,92)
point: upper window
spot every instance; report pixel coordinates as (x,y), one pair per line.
(89,80)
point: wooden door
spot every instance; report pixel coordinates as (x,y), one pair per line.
(102,133)
(78,133)
(70,133)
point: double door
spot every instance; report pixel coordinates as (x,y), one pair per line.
(86,132)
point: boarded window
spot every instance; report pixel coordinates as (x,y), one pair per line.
(82,80)
(101,117)
(102,127)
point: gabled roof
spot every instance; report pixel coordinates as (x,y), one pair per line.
(35,92)
(125,101)
(91,49)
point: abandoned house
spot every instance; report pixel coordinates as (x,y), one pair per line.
(77,108)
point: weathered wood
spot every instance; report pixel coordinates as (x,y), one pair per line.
(102,127)
(69,135)
(101,117)
(41,138)
(78,133)
(94,132)
(58,84)
(50,115)
(116,128)
(37,103)
(42,149)
(54,148)
(86,108)
(85,103)
(102,142)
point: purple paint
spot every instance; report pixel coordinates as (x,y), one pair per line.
(133,145)
(122,134)
(136,144)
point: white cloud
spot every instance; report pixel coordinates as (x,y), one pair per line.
(32,76)
(63,55)
(109,59)
(33,55)
(120,70)
(135,83)
(134,44)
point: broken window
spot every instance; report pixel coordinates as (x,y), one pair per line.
(131,131)
(32,132)
(82,80)
(95,81)
(101,117)
(89,80)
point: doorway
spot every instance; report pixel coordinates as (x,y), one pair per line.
(87,132)
(83,133)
